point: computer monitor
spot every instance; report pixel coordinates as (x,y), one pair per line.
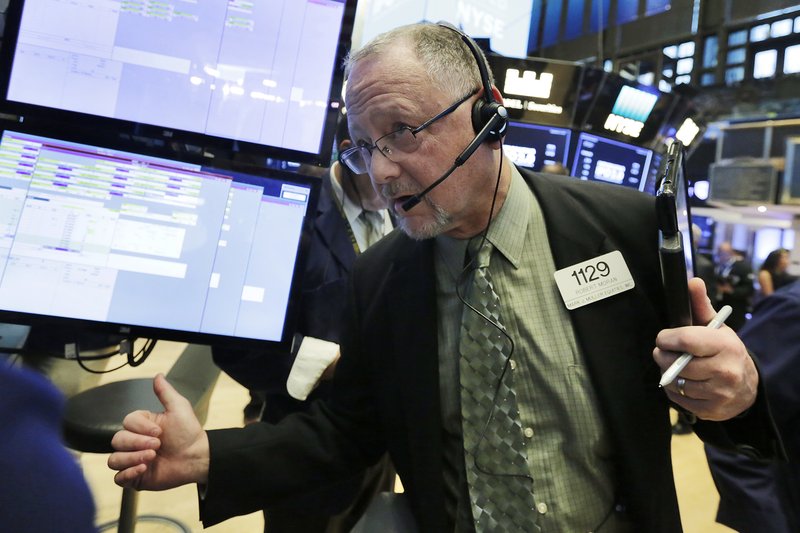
(264,74)
(148,247)
(533,146)
(611,161)
(791,173)
(626,110)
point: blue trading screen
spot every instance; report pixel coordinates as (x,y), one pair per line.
(601,159)
(110,236)
(260,72)
(533,146)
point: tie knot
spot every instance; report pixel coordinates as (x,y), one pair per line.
(482,254)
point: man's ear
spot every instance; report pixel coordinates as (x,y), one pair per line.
(344,145)
(495,145)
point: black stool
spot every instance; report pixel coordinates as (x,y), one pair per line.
(92,417)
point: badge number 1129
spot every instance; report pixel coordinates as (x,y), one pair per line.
(594,280)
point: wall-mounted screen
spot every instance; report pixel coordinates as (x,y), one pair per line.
(538,91)
(791,172)
(742,141)
(147,246)
(628,111)
(611,161)
(743,181)
(533,146)
(262,73)
(505,24)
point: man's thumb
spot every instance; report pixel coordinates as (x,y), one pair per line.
(702,310)
(165,392)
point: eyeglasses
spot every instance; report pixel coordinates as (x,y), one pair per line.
(394,145)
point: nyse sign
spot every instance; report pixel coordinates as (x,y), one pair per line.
(625,126)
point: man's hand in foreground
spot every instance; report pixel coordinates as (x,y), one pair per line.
(159,451)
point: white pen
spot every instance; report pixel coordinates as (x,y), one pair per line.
(680,363)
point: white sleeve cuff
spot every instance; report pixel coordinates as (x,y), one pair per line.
(313,357)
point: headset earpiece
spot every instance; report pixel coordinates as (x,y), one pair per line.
(487,106)
(482,113)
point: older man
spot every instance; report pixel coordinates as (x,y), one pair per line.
(437,356)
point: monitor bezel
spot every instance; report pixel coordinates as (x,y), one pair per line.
(59,118)
(134,331)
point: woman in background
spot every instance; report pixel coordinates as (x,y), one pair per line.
(773,275)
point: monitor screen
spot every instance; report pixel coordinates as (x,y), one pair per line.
(532,146)
(538,91)
(601,159)
(265,74)
(745,181)
(627,111)
(791,172)
(147,246)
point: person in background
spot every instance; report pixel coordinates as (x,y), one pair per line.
(772,275)
(350,217)
(41,487)
(424,375)
(734,284)
(555,168)
(757,496)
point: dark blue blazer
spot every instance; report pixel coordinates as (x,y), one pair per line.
(41,486)
(386,387)
(754,496)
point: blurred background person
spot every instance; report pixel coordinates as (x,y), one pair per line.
(756,496)
(42,488)
(734,284)
(772,275)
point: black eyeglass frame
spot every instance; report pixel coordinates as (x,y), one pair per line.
(347,157)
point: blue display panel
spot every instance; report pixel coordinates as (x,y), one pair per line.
(266,73)
(611,161)
(533,146)
(628,111)
(137,242)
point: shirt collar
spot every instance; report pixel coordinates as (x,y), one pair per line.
(508,229)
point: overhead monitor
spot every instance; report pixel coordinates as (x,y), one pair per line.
(611,161)
(791,172)
(263,74)
(743,181)
(148,247)
(627,111)
(533,146)
(538,91)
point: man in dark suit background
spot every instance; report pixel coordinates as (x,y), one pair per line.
(755,496)
(734,284)
(350,216)
(595,423)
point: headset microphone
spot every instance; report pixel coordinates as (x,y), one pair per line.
(500,115)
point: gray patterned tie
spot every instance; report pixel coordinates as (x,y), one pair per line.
(500,487)
(373,221)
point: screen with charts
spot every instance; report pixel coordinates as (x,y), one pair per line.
(260,72)
(533,146)
(601,159)
(147,246)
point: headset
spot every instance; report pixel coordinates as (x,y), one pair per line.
(489,118)
(488,106)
